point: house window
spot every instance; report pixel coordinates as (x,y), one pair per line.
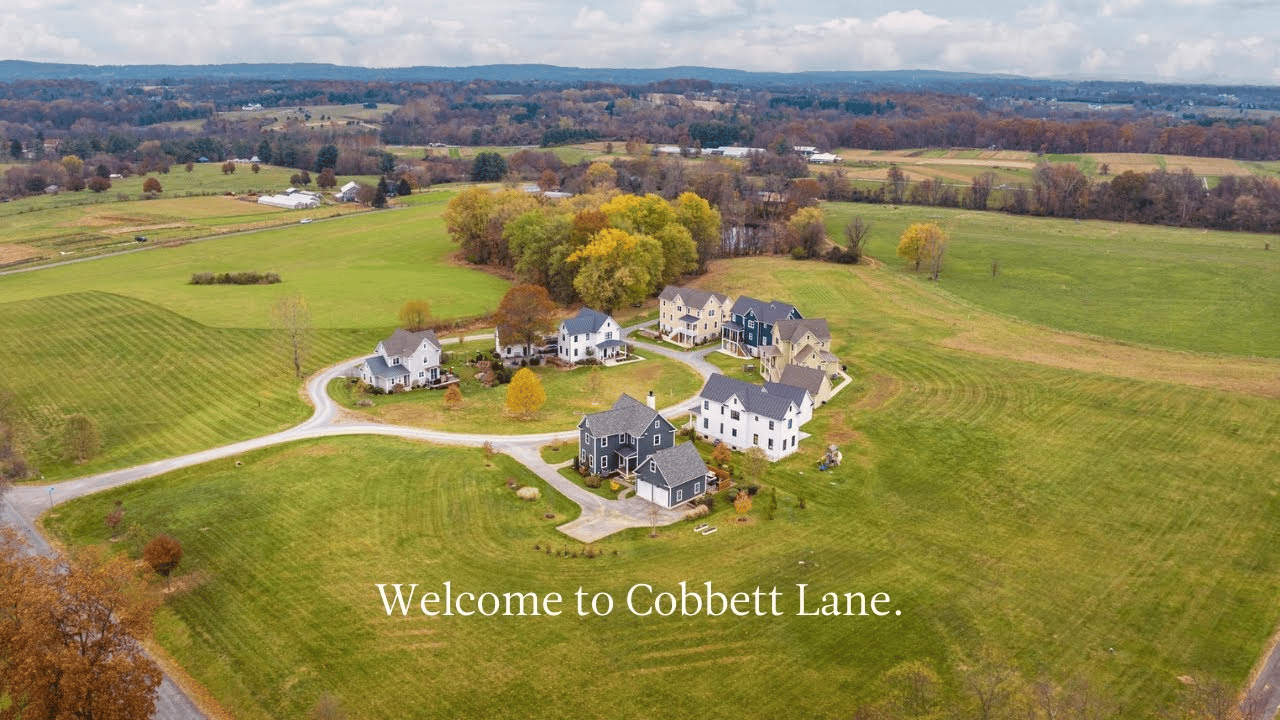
(657,438)
(422,373)
(653,466)
(733,414)
(395,361)
(608,335)
(697,488)
(602,442)
(770,424)
(582,457)
(575,352)
(706,405)
(770,443)
(679,495)
(721,428)
(735,432)
(705,423)
(788,423)
(755,439)
(721,409)
(655,423)
(751,324)
(604,463)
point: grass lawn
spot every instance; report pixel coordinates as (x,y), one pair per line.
(1169,287)
(157,384)
(570,394)
(355,272)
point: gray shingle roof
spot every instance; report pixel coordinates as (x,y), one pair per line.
(586,321)
(691,296)
(628,415)
(766,312)
(403,343)
(678,465)
(754,398)
(378,367)
(808,378)
(793,330)
(794,393)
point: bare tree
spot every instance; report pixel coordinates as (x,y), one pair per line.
(855,236)
(292,317)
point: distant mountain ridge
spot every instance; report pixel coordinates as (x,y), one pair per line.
(11,70)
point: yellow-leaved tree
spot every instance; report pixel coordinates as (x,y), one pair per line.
(525,395)
(924,244)
(617,268)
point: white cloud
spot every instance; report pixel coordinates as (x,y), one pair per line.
(912,22)
(1189,59)
(1119,7)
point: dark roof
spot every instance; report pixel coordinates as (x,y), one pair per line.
(793,330)
(754,398)
(808,378)
(794,393)
(688,318)
(691,296)
(628,415)
(610,343)
(378,367)
(766,312)
(586,321)
(403,343)
(678,465)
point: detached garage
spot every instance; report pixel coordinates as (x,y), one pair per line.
(672,476)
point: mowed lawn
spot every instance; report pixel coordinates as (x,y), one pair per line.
(355,272)
(1205,291)
(570,395)
(156,383)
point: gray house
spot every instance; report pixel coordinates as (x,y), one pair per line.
(623,437)
(672,476)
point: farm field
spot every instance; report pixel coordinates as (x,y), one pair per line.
(156,383)
(1170,287)
(355,272)
(1079,526)
(570,393)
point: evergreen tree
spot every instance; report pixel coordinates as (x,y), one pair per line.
(264,152)
(488,167)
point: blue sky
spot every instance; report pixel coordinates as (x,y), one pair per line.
(1196,40)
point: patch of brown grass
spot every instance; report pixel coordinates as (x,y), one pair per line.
(16,253)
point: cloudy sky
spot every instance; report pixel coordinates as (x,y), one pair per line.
(1197,40)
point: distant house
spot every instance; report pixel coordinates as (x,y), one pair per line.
(672,476)
(750,325)
(348,192)
(590,334)
(403,361)
(620,439)
(825,158)
(517,350)
(805,150)
(689,317)
(739,153)
(746,416)
(806,343)
(291,201)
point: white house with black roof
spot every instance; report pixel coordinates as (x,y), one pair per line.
(750,325)
(744,415)
(590,334)
(405,360)
(672,476)
(620,439)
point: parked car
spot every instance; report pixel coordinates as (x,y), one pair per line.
(305,220)
(139,238)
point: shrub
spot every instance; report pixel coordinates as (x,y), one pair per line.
(528,494)
(593,481)
(732,494)
(700,511)
(202,278)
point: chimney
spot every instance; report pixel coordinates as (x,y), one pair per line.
(653,403)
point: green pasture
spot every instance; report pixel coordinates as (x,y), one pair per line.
(1082,527)
(1170,287)
(156,383)
(355,272)
(570,394)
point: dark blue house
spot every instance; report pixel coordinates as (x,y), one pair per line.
(621,438)
(751,322)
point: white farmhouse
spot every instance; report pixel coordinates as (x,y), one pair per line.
(590,334)
(744,416)
(406,359)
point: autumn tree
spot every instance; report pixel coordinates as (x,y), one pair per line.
(415,315)
(115,517)
(326,179)
(81,439)
(151,185)
(163,554)
(99,184)
(453,397)
(291,316)
(754,465)
(69,636)
(617,269)
(13,462)
(525,395)
(722,455)
(228,167)
(600,176)
(920,243)
(807,232)
(897,183)
(703,223)
(73,165)
(742,503)
(524,316)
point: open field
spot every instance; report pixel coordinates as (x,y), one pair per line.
(156,383)
(570,394)
(354,272)
(1170,287)
(1082,526)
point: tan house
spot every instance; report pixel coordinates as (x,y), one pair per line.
(689,317)
(814,381)
(803,343)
